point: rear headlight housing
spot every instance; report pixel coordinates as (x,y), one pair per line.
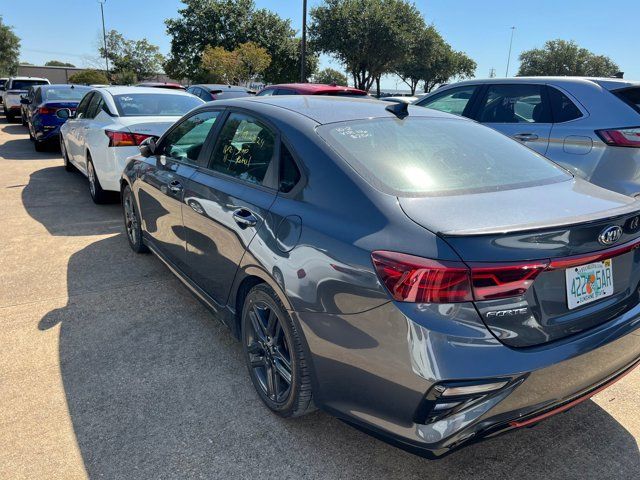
(125,139)
(621,137)
(409,278)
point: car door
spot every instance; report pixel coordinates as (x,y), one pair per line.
(91,128)
(227,203)
(161,189)
(72,126)
(520,110)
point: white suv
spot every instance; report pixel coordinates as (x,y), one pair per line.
(13,89)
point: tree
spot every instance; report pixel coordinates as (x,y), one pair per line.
(242,65)
(220,64)
(565,58)
(9,50)
(89,77)
(58,63)
(137,56)
(422,53)
(330,76)
(227,24)
(124,77)
(368,36)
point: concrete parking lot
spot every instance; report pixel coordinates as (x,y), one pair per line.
(110,368)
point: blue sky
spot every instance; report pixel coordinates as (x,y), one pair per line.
(69,30)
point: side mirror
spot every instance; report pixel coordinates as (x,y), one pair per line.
(147,147)
(24,100)
(64,113)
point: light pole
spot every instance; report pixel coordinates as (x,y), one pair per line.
(104,35)
(303,46)
(509,57)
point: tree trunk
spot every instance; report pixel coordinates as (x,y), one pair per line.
(378,86)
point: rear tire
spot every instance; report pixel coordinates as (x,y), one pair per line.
(10,117)
(132,223)
(39,146)
(98,195)
(274,355)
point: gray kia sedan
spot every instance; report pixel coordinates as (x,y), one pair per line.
(591,126)
(416,274)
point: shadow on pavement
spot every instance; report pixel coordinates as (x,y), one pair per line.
(22,148)
(158,389)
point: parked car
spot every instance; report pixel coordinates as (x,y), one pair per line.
(3,81)
(109,124)
(588,125)
(406,99)
(39,108)
(169,85)
(406,270)
(15,87)
(311,89)
(210,92)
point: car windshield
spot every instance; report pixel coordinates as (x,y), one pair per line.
(25,84)
(57,94)
(434,156)
(154,104)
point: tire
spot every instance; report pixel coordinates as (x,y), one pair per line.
(10,117)
(98,195)
(39,146)
(132,223)
(68,166)
(273,352)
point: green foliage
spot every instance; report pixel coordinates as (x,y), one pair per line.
(89,77)
(58,63)
(9,50)
(137,56)
(242,65)
(329,76)
(560,57)
(125,77)
(227,24)
(368,36)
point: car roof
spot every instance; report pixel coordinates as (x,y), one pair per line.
(30,78)
(221,86)
(608,83)
(68,85)
(122,90)
(328,109)
(316,88)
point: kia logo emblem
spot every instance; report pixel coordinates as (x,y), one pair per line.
(610,235)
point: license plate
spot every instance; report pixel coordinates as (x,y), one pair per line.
(588,283)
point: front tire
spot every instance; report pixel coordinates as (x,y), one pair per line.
(132,224)
(98,195)
(274,355)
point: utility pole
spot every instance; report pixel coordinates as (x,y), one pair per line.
(303,56)
(104,35)
(509,57)
(492,73)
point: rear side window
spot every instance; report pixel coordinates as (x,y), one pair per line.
(289,173)
(630,96)
(421,156)
(516,103)
(245,149)
(562,107)
(454,100)
(266,93)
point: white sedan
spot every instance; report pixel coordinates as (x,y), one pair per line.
(108,126)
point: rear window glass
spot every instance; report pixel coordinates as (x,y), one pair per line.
(345,94)
(64,94)
(231,94)
(630,96)
(25,84)
(425,156)
(154,104)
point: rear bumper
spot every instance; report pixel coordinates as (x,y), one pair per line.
(44,133)
(378,375)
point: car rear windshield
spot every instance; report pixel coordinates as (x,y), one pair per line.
(154,104)
(344,94)
(421,156)
(64,94)
(630,96)
(225,95)
(25,84)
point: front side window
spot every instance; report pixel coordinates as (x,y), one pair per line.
(517,103)
(185,142)
(154,104)
(245,149)
(36,96)
(94,107)
(421,156)
(453,101)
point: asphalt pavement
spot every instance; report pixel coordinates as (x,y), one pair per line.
(111,369)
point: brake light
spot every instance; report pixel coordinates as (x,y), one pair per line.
(414,279)
(125,139)
(621,137)
(47,111)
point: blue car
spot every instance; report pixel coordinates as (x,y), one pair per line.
(39,107)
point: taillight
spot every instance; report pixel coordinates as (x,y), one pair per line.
(415,279)
(125,139)
(47,111)
(621,137)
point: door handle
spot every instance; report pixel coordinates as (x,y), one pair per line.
(244,218)
(174,186)
(525,137)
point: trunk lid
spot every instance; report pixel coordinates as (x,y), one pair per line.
(146,126)
(550,224)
